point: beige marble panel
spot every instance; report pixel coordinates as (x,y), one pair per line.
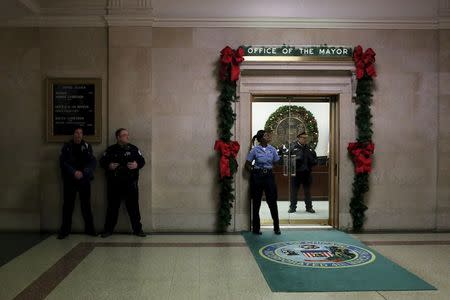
(444,50)
(173,37)
(21,115)
(443,185)
(184,126)
(125,37)
(130,104)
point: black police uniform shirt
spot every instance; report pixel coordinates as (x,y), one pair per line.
(305,156)
(122,154)
(77,157)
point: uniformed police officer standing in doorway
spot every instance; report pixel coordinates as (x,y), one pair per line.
(77,167)
(122,162)
(305,159)
(262,179)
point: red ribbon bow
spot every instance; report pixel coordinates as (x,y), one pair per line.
(361,153)
(364,62)
(231,57)
(228,150)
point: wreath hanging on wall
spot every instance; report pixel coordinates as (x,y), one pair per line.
(360,151)
(304,119)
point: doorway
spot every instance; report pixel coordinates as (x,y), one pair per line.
(287,116)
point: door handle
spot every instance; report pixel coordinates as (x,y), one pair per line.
(285,165)
(293,166)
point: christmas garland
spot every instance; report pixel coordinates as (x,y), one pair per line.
(293,110)
(229,71)
(362,150)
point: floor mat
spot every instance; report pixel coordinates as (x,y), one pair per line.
(325,261)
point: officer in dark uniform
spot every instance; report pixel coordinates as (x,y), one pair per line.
(305,159)
(122,162)
(77,167)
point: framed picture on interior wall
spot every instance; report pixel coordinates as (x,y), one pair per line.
(71,103)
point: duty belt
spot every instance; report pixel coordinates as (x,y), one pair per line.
(262,171)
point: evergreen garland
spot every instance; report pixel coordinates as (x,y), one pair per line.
(362,150)
(226,122)
(228,74)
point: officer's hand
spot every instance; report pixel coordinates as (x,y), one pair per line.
(78,175)
(132,165)
(113,166)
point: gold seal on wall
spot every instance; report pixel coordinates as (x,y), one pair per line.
(288,121)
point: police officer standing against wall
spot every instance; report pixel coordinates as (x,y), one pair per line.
(122,162)
(77,167)
(305,159)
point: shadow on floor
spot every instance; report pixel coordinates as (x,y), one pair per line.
(14,244)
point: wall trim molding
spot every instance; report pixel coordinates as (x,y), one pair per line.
(300,23)
(295,23)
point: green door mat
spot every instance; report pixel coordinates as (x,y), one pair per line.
(326,261)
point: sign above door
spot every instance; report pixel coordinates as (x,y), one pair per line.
(315,52)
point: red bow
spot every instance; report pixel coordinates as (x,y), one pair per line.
(231,57)
(228,150)
(361,153)
(364,62)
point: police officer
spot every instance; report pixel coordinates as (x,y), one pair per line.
(305,159)
(77,167)
(122,162)
(262,179)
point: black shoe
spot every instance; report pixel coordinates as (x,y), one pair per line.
(310,210)
(140,234)
(291,210)
(106,234)
(257,232)
(62,235)
(277,231)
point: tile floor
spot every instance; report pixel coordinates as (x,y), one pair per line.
(193,267)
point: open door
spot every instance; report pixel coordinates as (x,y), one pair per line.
(286,116)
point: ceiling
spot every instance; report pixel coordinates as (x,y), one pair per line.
(230,13)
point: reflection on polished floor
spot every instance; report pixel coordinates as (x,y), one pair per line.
(193,267)
(299,217)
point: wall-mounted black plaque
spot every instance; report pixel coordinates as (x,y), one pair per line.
(73,102)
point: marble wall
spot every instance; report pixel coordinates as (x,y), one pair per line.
(130,104)
(160,83)
(22,116)
(443,166)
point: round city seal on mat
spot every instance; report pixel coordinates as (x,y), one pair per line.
(317,254)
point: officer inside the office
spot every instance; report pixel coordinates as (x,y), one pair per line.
(305,159)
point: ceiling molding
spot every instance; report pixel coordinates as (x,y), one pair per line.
(168,13)
(130,7)
(444,23)
(124,21)
(31,5)
(146,20)
(52,21)
(300,23)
